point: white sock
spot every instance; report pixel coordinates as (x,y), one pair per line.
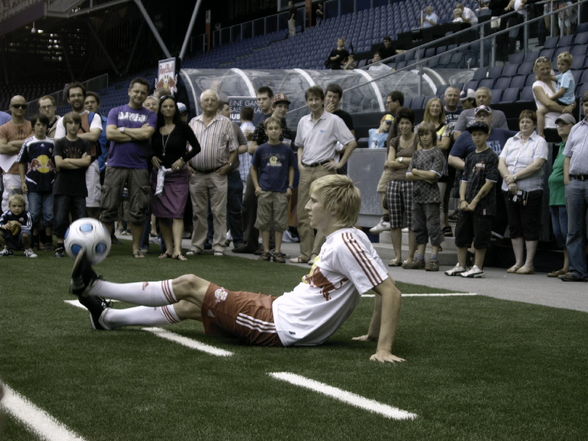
(140,315)
(140,293)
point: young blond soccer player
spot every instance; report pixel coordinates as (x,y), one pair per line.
(566,85)
(15,228)
(425,169)
(272,173)
(346,267)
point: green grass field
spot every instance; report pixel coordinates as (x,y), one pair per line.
(477,368)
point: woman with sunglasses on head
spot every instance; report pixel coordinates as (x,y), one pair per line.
(171,154)
(543,88)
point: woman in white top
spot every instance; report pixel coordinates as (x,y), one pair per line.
(543,88)
(521,165)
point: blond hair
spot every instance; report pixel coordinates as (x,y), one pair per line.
(17,197)
(566,57)
(339,196)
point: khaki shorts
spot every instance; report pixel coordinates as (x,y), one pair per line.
(272,211)
(245,315)
(137,181)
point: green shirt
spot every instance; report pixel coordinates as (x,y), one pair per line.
(557,191)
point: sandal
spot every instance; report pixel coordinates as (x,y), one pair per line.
(138,254)
(525,270)
(395,262)
(165,255)
(179,257)
(513,269)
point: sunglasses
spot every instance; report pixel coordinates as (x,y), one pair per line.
(19,106)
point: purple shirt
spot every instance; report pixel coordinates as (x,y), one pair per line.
(133,154)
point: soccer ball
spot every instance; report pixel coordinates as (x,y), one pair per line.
(89,234)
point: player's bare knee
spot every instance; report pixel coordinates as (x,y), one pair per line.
(187,310)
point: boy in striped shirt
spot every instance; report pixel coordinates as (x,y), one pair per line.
(346,267)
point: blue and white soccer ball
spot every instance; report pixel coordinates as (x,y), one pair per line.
(89,234)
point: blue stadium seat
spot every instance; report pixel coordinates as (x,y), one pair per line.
(578,50)
(487,82)
(566,40)
(472,84)
(584,77)
(581,38)
(526,95)
(582,27)
(516,58)
(510,70)
(510,95)
(480,74)
(495,72)
(531,56)
(551,43)
(547,53)
(579,62)
(502,83)
(441,90)
(518,81)
(526,68)
(496,95)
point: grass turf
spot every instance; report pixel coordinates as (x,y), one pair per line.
(477,368)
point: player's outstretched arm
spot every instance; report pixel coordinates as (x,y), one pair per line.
(389,317)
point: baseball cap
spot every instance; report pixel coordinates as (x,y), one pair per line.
(469,95)
(566,118)
(182,107)
(482,109)
(280,98)
(478,126)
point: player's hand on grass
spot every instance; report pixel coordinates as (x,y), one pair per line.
(386,357)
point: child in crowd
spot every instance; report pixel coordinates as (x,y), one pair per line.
(379,136)
(477,203)
(272,173)
(425,169)
(72,158)
(15,228)
(566,85)
(37,173)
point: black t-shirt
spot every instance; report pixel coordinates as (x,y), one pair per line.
(71,182)
(342,54)
(479,167)
(170,148)
(386,52)
(346,117)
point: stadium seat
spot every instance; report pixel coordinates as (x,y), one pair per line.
(441,90)
(518,81)
(472,84)
(526,95)
(496,95)
(583,78)
(510,95)
(487,82)
(582,27)
(581,38)
(578,50)
(548,52)
(531,56)
(566,40)
(551,43)
(526,68)
(516,58)
(480,74)
(579,62)
(510,70)
(502,83)
(495,72)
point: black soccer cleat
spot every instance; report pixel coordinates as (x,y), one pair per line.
(82,276)
(96,306)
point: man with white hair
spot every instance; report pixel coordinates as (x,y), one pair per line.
(483,98)
(208,182)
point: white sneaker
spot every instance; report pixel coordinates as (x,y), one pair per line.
(455,271)
(30,253)
(473,272)
(380,227)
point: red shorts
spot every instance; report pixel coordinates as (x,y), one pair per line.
(245,315)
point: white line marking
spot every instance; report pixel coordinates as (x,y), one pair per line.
(188,342)
(36,419)
(176,338)
(345,396)
(434,294)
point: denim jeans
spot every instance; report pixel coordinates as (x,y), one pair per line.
(65,205)
(559,223)
(577,204)
(41,203)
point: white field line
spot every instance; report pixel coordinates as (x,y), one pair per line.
(434,294)
(345,396)
(35,419)
(176,338)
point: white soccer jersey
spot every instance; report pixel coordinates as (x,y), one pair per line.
(346,267)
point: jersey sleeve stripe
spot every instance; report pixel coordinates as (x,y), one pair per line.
(359,254)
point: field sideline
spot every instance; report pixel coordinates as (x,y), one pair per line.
(477,368)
